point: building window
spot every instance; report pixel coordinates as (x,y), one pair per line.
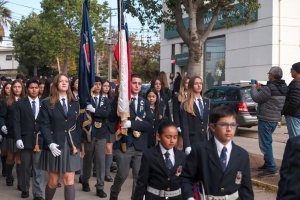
(214,62)
(184,48)
(8,57)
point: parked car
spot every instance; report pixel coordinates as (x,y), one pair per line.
(145,87)
(238,96)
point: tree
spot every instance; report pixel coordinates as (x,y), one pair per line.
(5,18)
(64,17)
(32,38)
(172,12)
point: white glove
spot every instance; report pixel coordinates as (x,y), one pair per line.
(179,129)
(90,108)
(4,129)
(19,144)
(188,150)
(127,124)
(54,150)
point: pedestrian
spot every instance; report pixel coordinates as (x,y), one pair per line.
(178,99)
(270,99)
(129,149)
(13,155)
(60,128)
(95,144)
(163,96)
(288,186)
(194,114)
(159,176)
(219,165)
(27,137)
(291,108)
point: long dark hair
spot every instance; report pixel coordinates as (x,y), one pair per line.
(156,109)
(12,97)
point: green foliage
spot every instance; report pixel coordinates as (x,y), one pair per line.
(5,17)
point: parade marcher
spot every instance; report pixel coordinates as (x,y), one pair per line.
(106,93)
(139,122)
(74,87)
(270,99)
(178,98)
(5,92)
(27,137)
(221,159)
(13,155)
(95,144)
(41,87)
(194,115)
(159,176)
(163,97)
(60,127)
(152,98)
(46,91)
(291,108)
(288,186)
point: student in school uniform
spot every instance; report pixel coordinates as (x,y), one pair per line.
(27,137)
(221,167)
(60,127)
(161,166)
(194,115)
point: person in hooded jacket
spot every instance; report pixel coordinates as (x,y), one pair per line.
(270,99)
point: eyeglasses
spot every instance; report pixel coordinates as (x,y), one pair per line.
(227,125)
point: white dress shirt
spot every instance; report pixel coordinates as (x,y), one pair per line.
(171,152)
(66,101)
(220,147)
(37,105)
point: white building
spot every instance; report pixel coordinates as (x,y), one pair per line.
(247,51)
(8,64)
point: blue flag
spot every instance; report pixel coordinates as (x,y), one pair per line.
(86,76)
(86,59)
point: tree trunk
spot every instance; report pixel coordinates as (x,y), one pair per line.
(66,60)
(35,69)
(195,66)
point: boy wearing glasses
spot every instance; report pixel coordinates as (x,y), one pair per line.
(220,166)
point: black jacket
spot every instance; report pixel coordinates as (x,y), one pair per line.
(25,125)
(153,172)
(203,165)
(292,102)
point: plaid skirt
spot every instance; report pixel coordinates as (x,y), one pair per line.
(66,162)
(8,145)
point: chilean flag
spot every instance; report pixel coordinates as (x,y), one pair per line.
(122,55)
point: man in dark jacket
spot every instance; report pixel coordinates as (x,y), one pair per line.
(291,108)
(270,99)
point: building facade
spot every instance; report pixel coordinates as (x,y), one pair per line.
(8,64)
(243,52)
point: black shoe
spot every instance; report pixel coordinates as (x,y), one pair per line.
(108,178)
(101,194)
(263,167)
(86,187)
(113,168)
(38,198)
(10,181)
(267,173)
(24,194)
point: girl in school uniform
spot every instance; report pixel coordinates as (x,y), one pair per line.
(60,128)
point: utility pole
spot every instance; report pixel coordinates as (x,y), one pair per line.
(110,48)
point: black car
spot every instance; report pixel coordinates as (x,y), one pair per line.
(238,96)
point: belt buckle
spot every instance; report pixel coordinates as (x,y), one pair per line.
(162,193)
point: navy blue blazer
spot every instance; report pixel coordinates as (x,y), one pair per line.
(154,173)
(54,124)
(25,125)
(195,128)
(203,163)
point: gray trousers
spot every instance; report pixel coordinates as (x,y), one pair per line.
(95,148)
(29,161)
(123,162)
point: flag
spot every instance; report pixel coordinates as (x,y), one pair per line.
(122,55)
(86,59)
(86,76)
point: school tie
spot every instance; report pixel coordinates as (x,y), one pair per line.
(200,107)
(96,101)
(33,108)
(64,106)
(168,161)
(133,102)
(223,158)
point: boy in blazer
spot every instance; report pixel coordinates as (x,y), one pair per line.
(26,133)
(219,166)
(159,176)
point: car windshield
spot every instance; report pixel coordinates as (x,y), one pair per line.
(246,96)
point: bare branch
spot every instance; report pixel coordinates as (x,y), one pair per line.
(211,24)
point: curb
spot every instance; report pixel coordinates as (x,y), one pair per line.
(264,185)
